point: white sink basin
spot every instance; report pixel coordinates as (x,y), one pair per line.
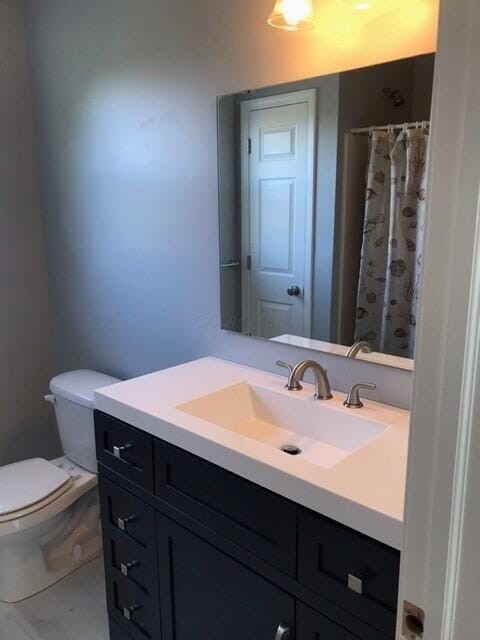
(324,434)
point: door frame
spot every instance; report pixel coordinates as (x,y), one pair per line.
(446,406)
(246,107)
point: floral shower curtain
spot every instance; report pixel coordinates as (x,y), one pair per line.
(392,241)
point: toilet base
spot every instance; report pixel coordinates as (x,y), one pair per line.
(34,559)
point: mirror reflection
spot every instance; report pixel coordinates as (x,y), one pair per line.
(322,188)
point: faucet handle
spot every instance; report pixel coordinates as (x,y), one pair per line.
(291,384)
(284,365)
(353,399)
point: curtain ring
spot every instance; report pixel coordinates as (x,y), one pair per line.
(370,131)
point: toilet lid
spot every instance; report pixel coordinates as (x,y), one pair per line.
(29,482)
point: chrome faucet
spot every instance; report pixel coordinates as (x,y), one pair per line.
(296,374)
(358,347)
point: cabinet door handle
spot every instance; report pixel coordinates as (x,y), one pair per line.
(355,584)
(283,632)
(129,611)
(122,523)
(126,567)
(119,450)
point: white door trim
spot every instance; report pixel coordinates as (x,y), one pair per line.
(446,406)
(310,97)
(469,416)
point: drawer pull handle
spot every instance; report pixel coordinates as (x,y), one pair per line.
(126,567)
(129,611)
(118,451)
(122,523)
(283,632)
(355,584)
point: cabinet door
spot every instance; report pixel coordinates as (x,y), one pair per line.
(207,595)
(311,625)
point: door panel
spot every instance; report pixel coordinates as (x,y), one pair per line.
(276,217)
(278,143)
(274,318)
(207,595)
(279,210)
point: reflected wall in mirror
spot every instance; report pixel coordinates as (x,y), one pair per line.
(322,187)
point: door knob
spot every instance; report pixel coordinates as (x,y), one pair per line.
(294,290)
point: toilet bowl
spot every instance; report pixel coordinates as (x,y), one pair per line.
(49,510)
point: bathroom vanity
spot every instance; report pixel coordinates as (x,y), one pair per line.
(213,532)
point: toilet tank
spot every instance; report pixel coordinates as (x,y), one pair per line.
(72,396)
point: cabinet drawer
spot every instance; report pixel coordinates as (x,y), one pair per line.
(124,557)
(313,626)
(124,449)
(350,569)
(252,517)
(135,612)
(134,519)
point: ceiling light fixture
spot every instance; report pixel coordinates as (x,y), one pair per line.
(293,15)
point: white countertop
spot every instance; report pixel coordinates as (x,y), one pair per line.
(365,491)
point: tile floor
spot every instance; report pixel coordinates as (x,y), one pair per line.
(73,609)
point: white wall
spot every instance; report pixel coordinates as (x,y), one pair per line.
(26,424)
(126,102)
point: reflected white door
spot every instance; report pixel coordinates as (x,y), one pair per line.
(279,213)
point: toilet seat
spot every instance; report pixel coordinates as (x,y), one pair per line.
(78,482)
(30,485)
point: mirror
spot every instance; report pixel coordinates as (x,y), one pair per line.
(322,187)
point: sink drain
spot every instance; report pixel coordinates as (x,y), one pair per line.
(291,449)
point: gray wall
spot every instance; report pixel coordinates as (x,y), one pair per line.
(26,425)
(126,114)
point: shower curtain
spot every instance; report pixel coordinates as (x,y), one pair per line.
(391,258)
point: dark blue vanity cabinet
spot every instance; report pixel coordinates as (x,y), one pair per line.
(194,552)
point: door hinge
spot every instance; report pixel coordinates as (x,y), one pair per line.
(413,622)
(249,263)
(249,146)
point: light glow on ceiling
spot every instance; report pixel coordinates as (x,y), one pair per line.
(292,15)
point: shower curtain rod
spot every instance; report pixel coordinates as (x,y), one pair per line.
(386,127)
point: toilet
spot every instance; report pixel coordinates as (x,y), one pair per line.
(49,510)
